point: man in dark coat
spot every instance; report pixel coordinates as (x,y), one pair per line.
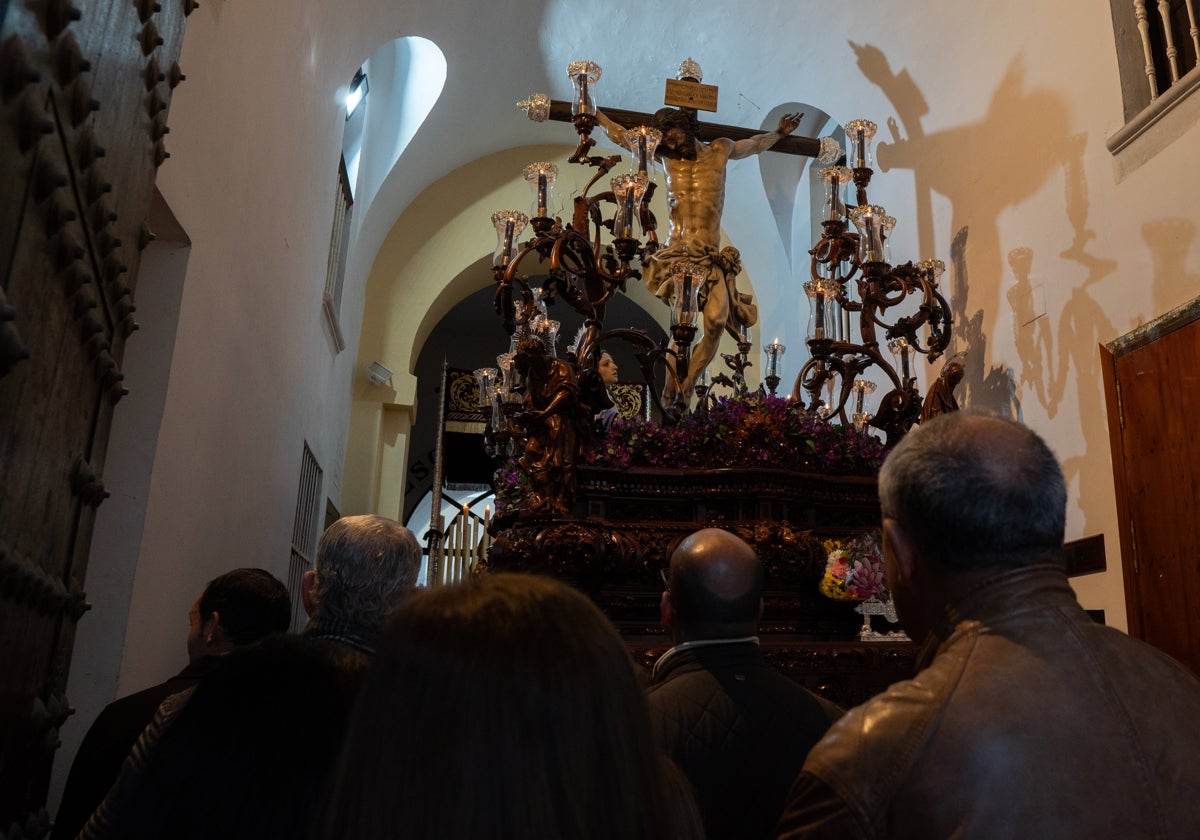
(364,566)
(1026,718)
(737,728)
(235,609)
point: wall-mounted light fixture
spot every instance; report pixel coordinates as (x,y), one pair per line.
(377,373)
(359,87)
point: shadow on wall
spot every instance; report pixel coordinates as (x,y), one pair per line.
(961,163)
(985,168)
(993,389)
(1082,326)
(1170,240)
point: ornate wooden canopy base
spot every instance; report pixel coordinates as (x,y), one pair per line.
(628,522)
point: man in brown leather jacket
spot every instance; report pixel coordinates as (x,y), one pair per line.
(1026,719)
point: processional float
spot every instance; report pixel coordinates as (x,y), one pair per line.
(788,473)
(869,320)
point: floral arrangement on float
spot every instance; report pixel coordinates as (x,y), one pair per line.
(753,431)
(511,487)
(854,572)
(757,430)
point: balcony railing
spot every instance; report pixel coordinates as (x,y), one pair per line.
(1157,46)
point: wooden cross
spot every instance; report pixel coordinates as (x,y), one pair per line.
(790,145)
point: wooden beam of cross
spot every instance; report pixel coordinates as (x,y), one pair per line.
(790,145)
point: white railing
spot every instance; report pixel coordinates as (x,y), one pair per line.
(463,544)
(1162,18)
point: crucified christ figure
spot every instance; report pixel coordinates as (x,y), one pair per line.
(695,173)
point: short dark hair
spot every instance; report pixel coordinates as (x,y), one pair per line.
(251,604)
(546,729)
(976,490)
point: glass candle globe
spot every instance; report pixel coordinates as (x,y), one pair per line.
(642,141)
(628,190)
(835,179)
(860,133)
(584,75)
(541,177)
(508,224)
(688,278)
(868,218)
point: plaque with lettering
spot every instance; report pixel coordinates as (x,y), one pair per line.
(696,95)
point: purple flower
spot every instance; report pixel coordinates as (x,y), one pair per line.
(753,431)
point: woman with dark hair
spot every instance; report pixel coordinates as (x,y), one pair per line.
(504,707)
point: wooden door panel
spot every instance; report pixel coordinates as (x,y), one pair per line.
(50,402)
(83,106)
(53,397)
(1157,389)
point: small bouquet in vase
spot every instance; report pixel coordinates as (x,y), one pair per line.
(854,572)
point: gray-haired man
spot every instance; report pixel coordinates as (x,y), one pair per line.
(365,565)
(1027,718)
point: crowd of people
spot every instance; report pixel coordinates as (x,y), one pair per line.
(508,706)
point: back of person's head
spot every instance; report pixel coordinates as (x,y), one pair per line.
(975,490)
(715,586)
(364,566)
(503,707)
(251,604)
(250,754)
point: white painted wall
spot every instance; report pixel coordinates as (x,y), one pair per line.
(1000,111)
(407,76)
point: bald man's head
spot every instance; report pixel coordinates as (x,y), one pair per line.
(715,587)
